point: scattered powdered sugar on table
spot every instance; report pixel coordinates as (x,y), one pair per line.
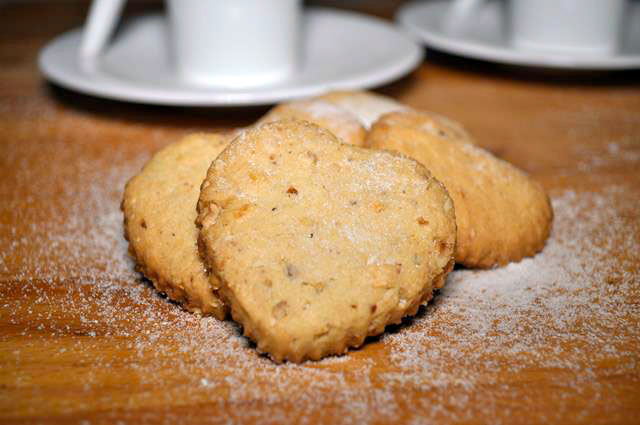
(520,306)
(85,229)
(563,309)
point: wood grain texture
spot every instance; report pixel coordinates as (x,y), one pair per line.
(83,339)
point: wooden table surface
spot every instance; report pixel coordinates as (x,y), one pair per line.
(84,339)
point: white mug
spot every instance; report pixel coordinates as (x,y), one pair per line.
(559,26)
(229,43)
(578,26)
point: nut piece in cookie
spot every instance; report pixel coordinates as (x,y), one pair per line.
(159,208)
(337,120)
(318,244)
(502,214)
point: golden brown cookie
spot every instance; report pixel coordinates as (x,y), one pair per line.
(318,244)
(366,106)
(337,120)
(502,214)
(159,208)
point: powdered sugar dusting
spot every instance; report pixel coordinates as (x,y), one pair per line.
(571,308)
(566,308)
(83,225)
(341,122)
(345,125)
(366,106)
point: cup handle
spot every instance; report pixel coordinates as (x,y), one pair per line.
(458,15)
(101,20)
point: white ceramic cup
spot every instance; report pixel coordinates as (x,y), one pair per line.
(226,43)
(579,26)
(560,26)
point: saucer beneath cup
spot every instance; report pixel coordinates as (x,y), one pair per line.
(485,38)
(340,50)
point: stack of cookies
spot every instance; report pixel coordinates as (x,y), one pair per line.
(327,220)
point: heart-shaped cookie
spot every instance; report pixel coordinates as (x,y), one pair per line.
(159,208)
(502,214)
(318,244)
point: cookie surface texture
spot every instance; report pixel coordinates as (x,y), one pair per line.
(337,120)
(502,214)
(318,244)
(367,106)
(159,207)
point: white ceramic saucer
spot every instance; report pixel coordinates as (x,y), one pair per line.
(484,37)
(341,50)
